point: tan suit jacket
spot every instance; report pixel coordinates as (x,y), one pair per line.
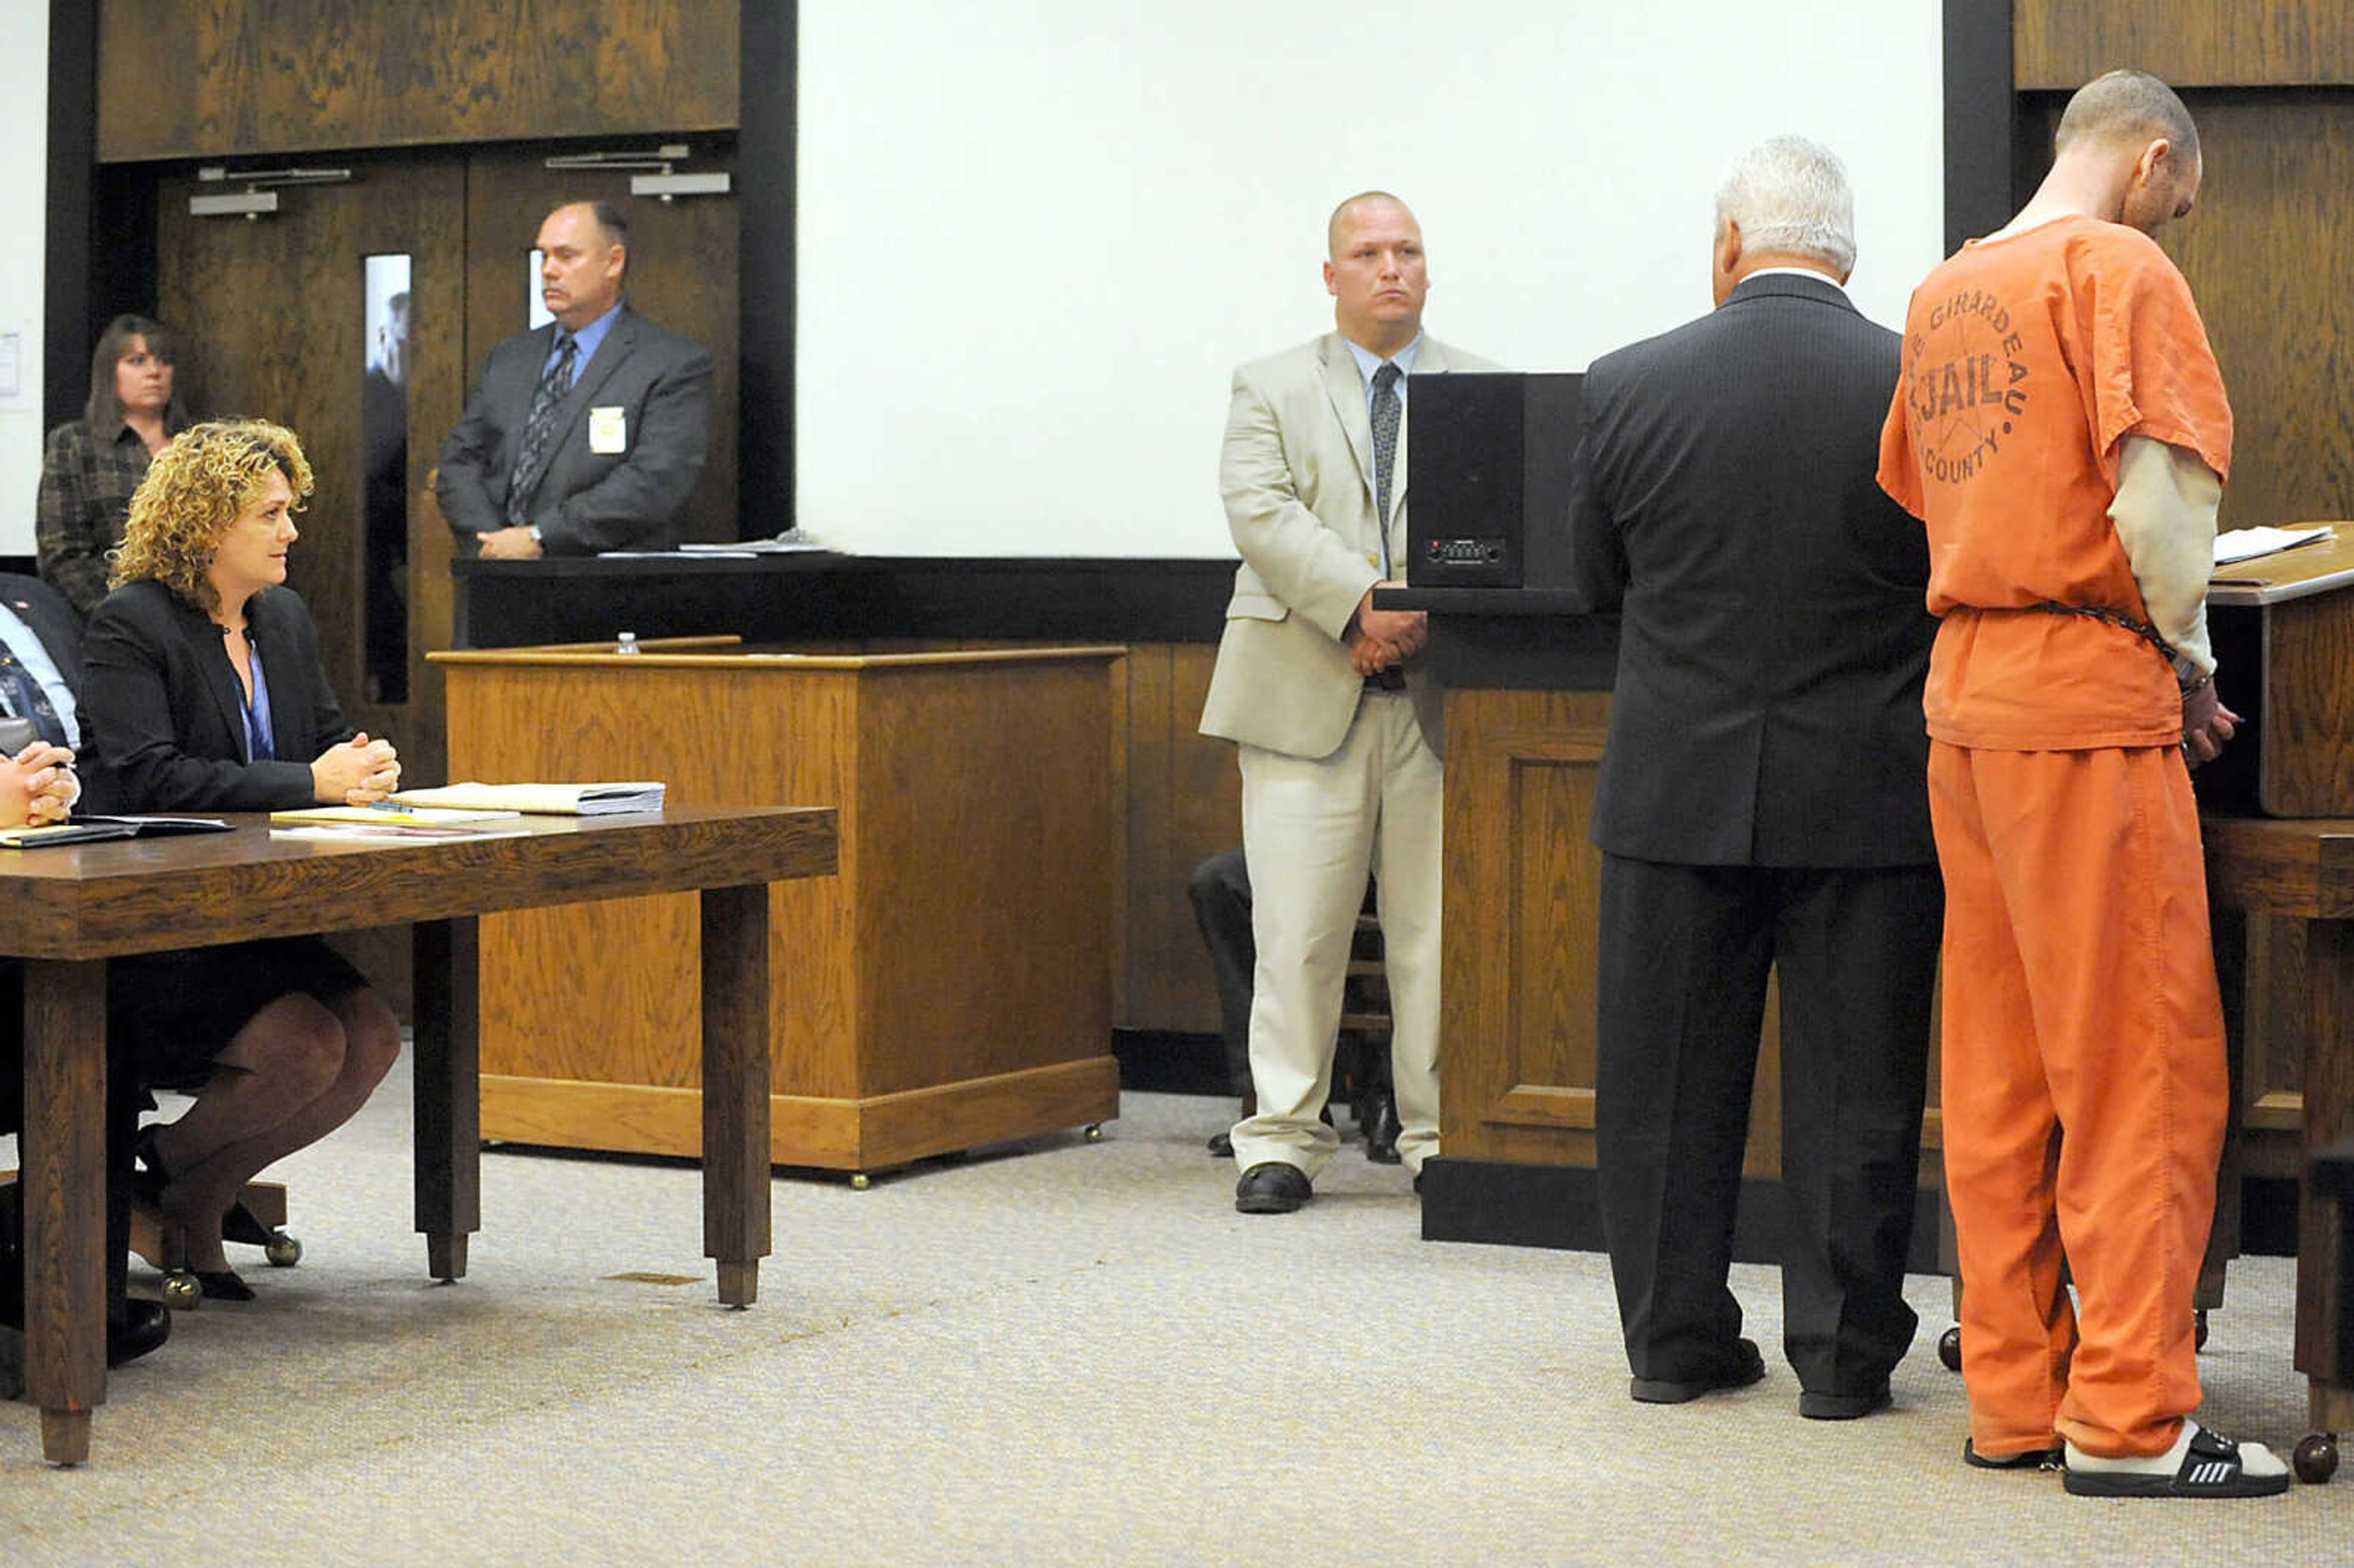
(1297,476)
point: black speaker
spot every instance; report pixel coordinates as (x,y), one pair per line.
(1489,456)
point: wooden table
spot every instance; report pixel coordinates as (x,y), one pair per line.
(2304,869)
(67,911)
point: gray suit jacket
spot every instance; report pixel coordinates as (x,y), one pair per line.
(1297,475)
(633,498)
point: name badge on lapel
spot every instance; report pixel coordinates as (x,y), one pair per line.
(609,430)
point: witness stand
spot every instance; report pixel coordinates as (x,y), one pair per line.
(67,911)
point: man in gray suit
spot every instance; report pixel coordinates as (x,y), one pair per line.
(1762,801)
(586,434)
(1337,735)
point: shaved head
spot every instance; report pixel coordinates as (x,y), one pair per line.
(2128,108)
(1339,215)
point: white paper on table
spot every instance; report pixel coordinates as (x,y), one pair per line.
(2242,543)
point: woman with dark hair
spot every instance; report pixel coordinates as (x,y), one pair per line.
(91,465)
(205,693)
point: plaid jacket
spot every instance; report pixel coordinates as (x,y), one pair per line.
(87,481)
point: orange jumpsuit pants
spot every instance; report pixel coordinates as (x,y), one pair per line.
(2084,1089)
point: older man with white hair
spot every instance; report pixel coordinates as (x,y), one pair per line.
(1762,802)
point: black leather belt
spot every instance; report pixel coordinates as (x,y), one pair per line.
(1390,679)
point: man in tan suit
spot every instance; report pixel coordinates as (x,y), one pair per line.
(1338,733)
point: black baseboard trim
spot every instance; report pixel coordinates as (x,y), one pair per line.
(2268,1216)
(1555,1207)
(1171,1062)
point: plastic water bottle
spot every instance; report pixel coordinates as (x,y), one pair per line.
(628,643)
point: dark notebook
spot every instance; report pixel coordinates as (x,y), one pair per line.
(89,829)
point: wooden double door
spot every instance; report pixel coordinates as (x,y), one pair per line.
(274,319)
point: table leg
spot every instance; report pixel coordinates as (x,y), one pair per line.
(447,1007)
(2322,1298)
(64,1150)
(736,1086)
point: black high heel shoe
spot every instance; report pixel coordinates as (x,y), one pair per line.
(222,1285)
(241,1224)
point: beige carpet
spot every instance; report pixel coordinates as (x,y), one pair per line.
(1058,1353)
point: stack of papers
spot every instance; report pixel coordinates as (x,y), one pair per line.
(387,813)
(553,799)
(784,544)
(2242,543)
(390,821)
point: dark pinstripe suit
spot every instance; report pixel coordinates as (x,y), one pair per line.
(1762,802)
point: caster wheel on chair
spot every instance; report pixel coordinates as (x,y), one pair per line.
(2199,1332)
(1093,1132)
(858,1182)
(283,1250)
(181,1291)
(1949,1348)
(2316,1459)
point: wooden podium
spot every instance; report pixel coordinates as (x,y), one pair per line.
(2282,627)
(951,986)
(2279,827)
(1528,712)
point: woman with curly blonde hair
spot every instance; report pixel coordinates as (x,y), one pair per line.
(205,693)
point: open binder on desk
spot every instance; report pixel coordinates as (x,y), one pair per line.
(91,830)
(552,800)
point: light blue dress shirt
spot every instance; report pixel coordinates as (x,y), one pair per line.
(588,338)
(26,645)
(1369,364)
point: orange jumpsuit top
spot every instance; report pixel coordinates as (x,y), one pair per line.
(2028,358)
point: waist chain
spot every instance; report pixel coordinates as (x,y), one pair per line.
(2117,618)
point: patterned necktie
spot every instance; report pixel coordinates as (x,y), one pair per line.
(26,700)
(531,458)
(1385,410)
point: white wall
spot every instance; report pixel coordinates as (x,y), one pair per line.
(1036,236)
(23,174)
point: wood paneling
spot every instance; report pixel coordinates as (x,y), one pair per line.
(682,276)
(2060,45)
(2267,252)
(2273,882)
(1184,805)
(2321,1234)
(2264,252)
(1517,1022)
(186,79)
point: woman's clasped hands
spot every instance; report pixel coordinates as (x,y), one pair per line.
(360,772)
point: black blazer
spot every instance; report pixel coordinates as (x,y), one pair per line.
(1773,639)
(634,498)
(163,713)
(53,620)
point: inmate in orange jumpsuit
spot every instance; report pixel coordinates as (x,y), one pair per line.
(2085,1088)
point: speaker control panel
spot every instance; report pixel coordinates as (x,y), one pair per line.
(1473,552)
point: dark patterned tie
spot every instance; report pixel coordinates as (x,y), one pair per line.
(531,460)
(26,700)
(1385,410)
